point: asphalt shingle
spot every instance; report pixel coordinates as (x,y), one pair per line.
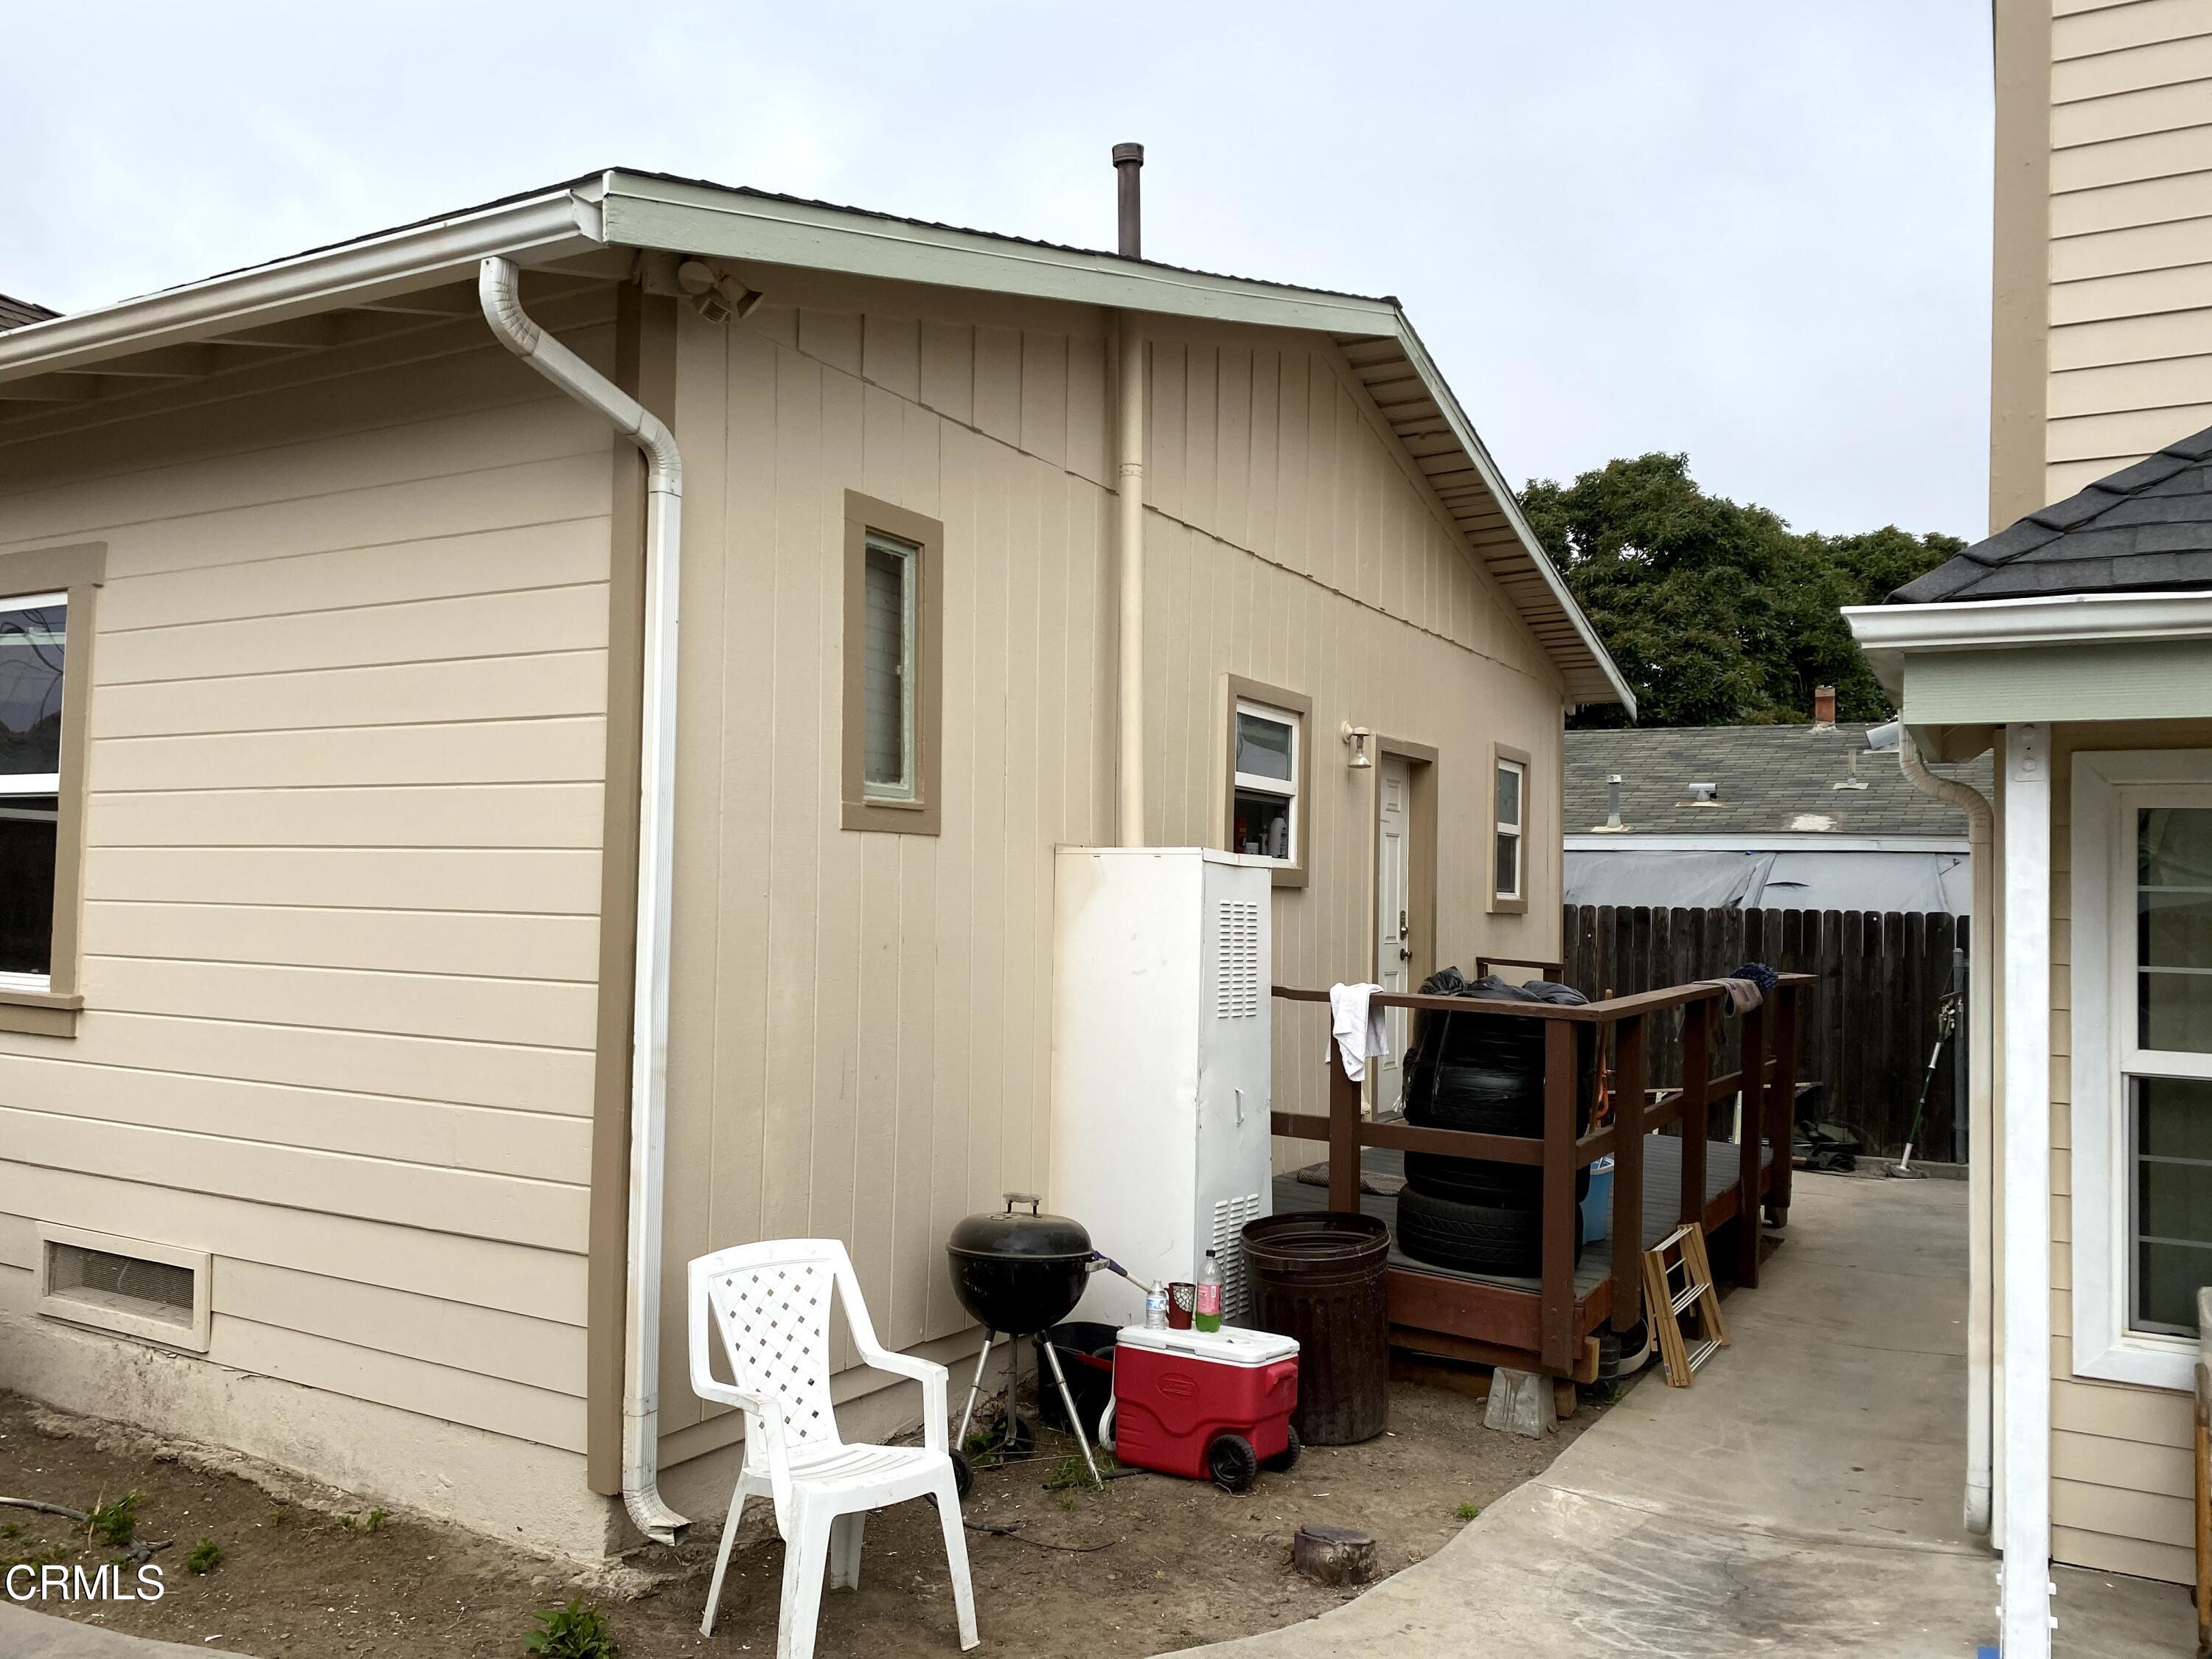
(2148,528)
(1771,778)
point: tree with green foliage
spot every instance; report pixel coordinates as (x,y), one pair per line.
(1718,613)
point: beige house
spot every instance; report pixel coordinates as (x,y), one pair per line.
(2077,645)
(381,799)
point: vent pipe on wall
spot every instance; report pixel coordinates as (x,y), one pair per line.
(1129,491)
(1128,165)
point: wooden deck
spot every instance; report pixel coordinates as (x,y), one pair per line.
(1548,1324)
(1433,1308)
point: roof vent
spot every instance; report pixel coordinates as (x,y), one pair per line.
(1702,795)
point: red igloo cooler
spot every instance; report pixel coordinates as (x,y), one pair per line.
(1205,1405)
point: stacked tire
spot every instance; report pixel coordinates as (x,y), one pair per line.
(1484,1072)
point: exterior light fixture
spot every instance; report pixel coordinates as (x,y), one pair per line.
(1355,739)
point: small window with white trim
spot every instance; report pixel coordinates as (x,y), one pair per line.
(1509,805)
(1264,798)
(34,642)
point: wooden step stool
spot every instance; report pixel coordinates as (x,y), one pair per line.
(1679,1285)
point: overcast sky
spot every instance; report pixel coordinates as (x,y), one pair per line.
(1758,232)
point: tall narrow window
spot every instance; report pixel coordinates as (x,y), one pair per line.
(893,635)
(33,638)
(1509,829)
(2167,1068)
(888,672)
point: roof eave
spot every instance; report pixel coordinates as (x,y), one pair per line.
(551,225)
(1463,431)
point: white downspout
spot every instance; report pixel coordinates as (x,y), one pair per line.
(2025,1630)
(1130,502)
(496,288)
(1981,1144)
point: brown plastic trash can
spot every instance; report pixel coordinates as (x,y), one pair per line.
(1318,1276)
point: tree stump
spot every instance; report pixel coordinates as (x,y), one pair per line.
(1333,1555)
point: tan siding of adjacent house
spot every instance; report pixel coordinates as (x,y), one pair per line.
(861,1021)
(340,936)
(2120,1481)
(2130,250)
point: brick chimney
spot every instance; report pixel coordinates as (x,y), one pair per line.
(1824,706)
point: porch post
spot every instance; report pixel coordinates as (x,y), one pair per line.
(2025,1629)
(1631,1068)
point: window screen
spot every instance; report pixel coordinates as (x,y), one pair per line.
(2170,1115)
(887,679)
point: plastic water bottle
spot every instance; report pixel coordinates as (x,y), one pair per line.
(1208,1312)
(1156,1306)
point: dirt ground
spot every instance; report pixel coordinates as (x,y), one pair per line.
(1163,1564)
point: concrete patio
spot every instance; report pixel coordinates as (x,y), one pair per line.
(1802,1499)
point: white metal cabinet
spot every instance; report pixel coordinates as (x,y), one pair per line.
(1160,1097)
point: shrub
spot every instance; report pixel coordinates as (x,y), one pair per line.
(206,1557)
(574,1631)
(115,1523)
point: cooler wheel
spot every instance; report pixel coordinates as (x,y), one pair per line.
(1232,1463)
(1287,1459)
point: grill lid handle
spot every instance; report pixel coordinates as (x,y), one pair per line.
(1030,1198)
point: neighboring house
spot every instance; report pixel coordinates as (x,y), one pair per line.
(371,835)
(2077,645)
(1774,817)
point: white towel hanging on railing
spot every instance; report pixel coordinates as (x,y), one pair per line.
(1355,1025)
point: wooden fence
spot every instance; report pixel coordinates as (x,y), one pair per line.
(1865,1026)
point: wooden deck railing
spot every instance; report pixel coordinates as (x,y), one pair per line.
(1768,1088)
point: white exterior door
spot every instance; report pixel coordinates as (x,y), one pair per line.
(1393,944)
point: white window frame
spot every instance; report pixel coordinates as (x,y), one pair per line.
(2108,789)
(1515,831)
(32,783)
(1286,789)
(909,557)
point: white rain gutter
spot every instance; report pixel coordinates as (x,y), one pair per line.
(1980,1144)
(1129,503)
(565,220)
(648,1084)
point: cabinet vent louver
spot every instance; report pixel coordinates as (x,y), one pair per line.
(1236,989)
(1229,1215)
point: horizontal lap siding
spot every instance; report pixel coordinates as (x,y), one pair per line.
(2130,307)
(341,882)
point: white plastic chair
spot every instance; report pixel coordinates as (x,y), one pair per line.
(771,1304)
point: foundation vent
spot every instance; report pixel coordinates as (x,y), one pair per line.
(131,1286)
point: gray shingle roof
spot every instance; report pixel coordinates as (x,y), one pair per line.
(1770,777)
(15,313)
(2146,528)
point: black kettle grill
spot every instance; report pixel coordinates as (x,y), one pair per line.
(1019,1273)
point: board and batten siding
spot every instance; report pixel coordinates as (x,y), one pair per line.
(860,1024)
(2120,1454)
(2130,250)
(340,936)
